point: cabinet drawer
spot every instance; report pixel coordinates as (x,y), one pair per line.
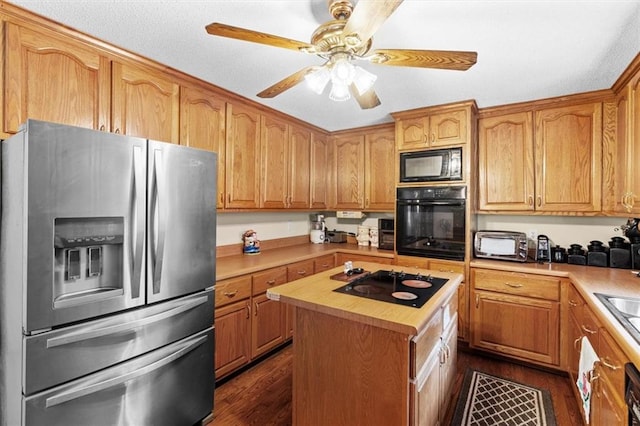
(324,263)
(575,302)
(264,280)
(298,270)
(517,283)
(454,268)
(612,361)
(590,327)
(423,344)
(232,290)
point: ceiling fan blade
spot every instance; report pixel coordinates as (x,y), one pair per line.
(287,82)
(367,17)
(367,100)
(444,59)
(238,33)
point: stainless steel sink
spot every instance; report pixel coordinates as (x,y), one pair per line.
(626,306)
(626,310)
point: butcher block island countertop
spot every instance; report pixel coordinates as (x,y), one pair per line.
(357,361)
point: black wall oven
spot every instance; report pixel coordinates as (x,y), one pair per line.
(430,221)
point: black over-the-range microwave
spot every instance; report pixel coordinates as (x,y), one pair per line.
(431,165)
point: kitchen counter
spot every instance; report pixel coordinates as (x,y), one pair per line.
(242,264)
(316,294)
(588,280)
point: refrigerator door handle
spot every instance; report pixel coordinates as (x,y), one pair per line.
(157,217)
(137,215)
(82,335)
(80,391)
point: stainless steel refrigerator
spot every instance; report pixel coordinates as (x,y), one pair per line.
(107,268)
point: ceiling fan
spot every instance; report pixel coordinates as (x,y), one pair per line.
(346,38)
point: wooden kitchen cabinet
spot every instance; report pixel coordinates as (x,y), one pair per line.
(506,162)
(232,325)
(621,180)
(136,90)
(242,157)
(516,314)
(324,263)
(435,127)
(355,258)
(545,159)
(45,71)
(267,327)
(319,169)
(346,181)
(202,125)
(299,184)
(380,189)
(274,168)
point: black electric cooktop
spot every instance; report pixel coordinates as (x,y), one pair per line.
(412,290)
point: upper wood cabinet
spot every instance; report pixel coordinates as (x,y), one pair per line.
(346,180)
(274,163)
(146,103)
(202,125)
(242,157)
(621,179)
(299,168)
(505,162)
(55,79)
(319,169)
(380,190)
(435,126)
(548,160)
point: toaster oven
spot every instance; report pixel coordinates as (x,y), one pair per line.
(501,245)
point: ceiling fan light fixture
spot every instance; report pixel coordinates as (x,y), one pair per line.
(318,79)
(363,80)
(342,72)
(339,92)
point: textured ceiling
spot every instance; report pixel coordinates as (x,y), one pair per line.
(526,49)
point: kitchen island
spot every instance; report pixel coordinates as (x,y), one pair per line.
(359,361)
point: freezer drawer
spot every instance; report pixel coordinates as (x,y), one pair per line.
(164,387)
(61,355)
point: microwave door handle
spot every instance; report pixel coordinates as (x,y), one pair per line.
(79,392)
(137,215)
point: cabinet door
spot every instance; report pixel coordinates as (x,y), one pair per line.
(319,171)
(505,162)
(299,168)
(145,103)
(242,157)
(411,133)
(347,174)
(448,360)
(55,79)
(523,327)
(448,128)
(379,172)
(568,151)
(274,163)
(233,334)
(202,125)
(606,409)
(267,327)
(425,409)
(573,347)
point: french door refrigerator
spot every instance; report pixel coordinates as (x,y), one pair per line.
(107,268)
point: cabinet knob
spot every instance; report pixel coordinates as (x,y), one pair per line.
(271,282)
(587,329)
(539,201)
(513,285)
(531,200)
(610,366)
(102,128)
(230,293)
(117,131)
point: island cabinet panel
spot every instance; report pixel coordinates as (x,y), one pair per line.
(53,78)
(137,90)
(425,409)
(358,376)
(516,314)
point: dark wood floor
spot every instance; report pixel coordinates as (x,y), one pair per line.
(261,395)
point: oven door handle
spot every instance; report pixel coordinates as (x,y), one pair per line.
(455,203)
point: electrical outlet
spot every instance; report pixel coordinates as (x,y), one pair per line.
(533,234)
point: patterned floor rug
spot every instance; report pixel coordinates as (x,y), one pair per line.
(492,401)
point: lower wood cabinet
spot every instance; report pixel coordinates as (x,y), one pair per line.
(345,257)
(267,326)
(516,314)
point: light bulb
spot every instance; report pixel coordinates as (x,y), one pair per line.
(318,79)
(342,72)
(339,91)
(363,80)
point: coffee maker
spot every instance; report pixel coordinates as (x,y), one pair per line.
(318,228)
